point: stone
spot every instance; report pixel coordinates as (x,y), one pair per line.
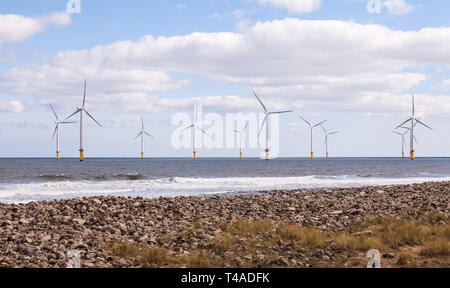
(337,212)
(388,256)
(78,221)
(46,238)
(97,201)
(366,232)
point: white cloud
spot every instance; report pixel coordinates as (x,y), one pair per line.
(332,65)
(216,16)
(295,6)
(398,7)
(181,6)
(16,28)
(11,106)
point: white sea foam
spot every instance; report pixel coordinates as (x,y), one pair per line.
(171,187)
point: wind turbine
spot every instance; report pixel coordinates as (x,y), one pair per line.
(326,136)
(142,134)
(240,133)
(81,110)
(266,122)
(403,140)
(56,132)
(311,126)
(193,127)
(413,121)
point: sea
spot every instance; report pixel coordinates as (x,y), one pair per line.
(28,180)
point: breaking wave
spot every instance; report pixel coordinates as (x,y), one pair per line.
(141,186)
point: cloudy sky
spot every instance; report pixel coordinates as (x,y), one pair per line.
(325,59)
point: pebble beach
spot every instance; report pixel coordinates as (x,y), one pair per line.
(40,234)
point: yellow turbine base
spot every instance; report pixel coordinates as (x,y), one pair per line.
(327,155)
(413,156)
(312,155)
(57,155)
(403,155)
(81,155)
(241,156)
(142,155)
(195,155)
(267,155)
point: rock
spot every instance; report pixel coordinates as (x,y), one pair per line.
(388,256)
(143,239)
(96,201)
(46,238)
(338,212)
(24,221)
(380,191)
(366,232)
(283,262)
(78,221)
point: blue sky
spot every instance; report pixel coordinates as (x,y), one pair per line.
(331,60)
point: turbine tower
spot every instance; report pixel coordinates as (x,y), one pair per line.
(266,122)
(403,140)
(81,110)
(56,132)
(142,134)
(311,126)
(193,127)
(241,135)
(326,137)
(413,121)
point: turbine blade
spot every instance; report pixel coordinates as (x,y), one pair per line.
(281,112)
(201,130)
(320,123)
(148,134)
(403,123)
(324,130)
(262,126)
(407,128)
(413,106)
(54,132)
(415,140)
(262,104)
(418,121)
(84,95)
(92,118)
(397,133)
(138,136)
(56,116)
(307,122)
(332,133)
(67,122)
(142,120)
(246,125)
(74,113)
(187,128)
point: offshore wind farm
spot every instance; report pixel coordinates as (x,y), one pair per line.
(232,134)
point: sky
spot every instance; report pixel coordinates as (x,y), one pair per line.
(353,64)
